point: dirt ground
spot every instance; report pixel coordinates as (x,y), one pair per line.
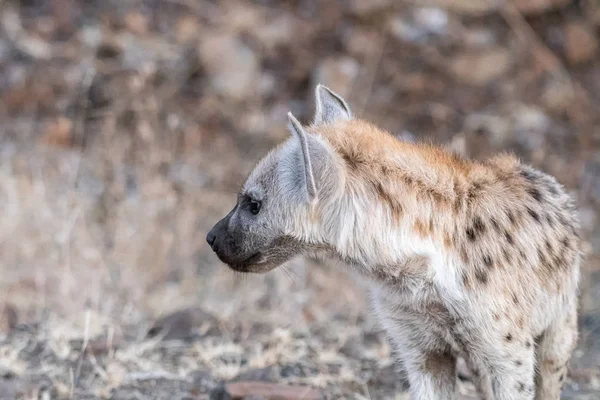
(126,127)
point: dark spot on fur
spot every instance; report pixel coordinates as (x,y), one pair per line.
(478,225)
(481,276)
(438,362)
(508,337)
(533,214)
(495,224)
(470,234)
(535,193)
(511,217)
(487,260)
(509,237)
(550,220)
(565,242)
(393,204)
(351,160)
(522,254)
(474,191)
(466,280)
(515,299)
(518,363)
(563,221)
(528,344)
(529,175)
(507,256)
(562,377)
(548,246)
(521,387)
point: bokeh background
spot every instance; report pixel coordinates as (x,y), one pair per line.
(127,126)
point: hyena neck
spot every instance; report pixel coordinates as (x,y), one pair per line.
(400,203)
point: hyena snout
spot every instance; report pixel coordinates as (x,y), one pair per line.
(229,247)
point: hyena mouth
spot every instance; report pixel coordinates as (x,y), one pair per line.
(243,265)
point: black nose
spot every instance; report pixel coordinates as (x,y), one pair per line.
(210,238)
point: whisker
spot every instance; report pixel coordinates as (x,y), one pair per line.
(287,272)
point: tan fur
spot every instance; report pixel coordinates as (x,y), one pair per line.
(511,234)
(468,259)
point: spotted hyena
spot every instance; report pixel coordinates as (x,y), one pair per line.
(468,259)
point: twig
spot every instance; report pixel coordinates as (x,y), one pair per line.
(86,339)
(81,115)
(372,69)
(527,35)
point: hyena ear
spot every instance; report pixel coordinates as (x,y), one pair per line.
(309,177)
(330,107)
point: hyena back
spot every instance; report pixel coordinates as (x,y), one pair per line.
(468,259)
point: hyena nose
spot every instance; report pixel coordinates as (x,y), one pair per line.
(210,239)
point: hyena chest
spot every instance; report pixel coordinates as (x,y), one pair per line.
(416,306)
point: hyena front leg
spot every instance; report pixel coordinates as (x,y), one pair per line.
(481,380)
(428,362)
(511,370)
(554,350)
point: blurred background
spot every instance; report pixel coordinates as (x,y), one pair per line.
(127,126)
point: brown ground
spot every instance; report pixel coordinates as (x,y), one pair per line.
(126,127)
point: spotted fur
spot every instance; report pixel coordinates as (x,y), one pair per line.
(468,259)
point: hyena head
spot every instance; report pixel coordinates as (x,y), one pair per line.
(279,210)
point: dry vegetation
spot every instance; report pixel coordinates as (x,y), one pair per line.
(126,127)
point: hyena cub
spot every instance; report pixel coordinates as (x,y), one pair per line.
(472,259)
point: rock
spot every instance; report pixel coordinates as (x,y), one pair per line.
(270,391)
(337,73)
(468,7)
(91,36)
(558,95)
(136,22)
(187,28)
(589,377)
(182,324)
(580,44)
(479,68)
(276,32)
(109,49)
(363,8)
(59,132)
(231,65)
(424,22)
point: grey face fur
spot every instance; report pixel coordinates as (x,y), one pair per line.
(261,231)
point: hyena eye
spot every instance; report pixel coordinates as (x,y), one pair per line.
(255,206)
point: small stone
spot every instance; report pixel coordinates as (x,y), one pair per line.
(59,132)
(581,43)
(231,65)
(187,28)
(469,7)
(366,8)
(276,32)
(182,324)
(239,390)
(109,49)
(558,95)
(337,73)
(136,23)
(480,68)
